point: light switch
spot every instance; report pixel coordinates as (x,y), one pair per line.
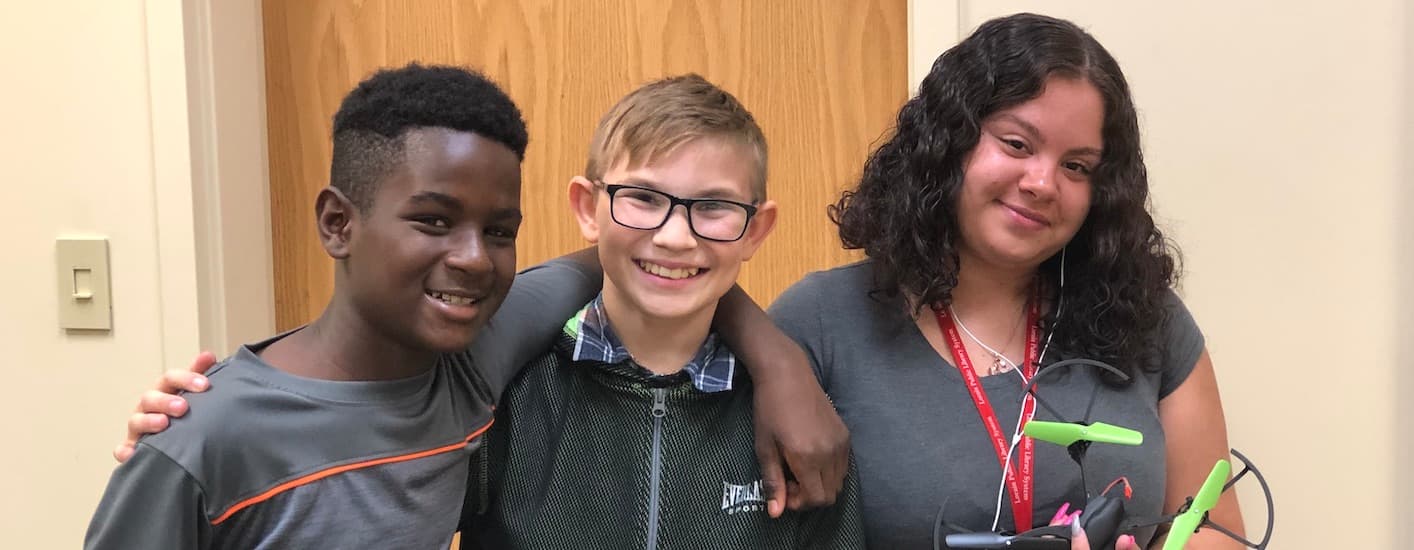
(84,300)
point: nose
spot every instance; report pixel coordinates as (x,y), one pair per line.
(676,233)
(468,254)
(1040,181)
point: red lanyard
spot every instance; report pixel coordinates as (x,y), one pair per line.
(1020,477)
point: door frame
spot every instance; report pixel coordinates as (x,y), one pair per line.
(933,26)
(211,155)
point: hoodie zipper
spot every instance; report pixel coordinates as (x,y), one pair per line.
(655,469)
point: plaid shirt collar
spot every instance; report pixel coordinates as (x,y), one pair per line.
(594,340)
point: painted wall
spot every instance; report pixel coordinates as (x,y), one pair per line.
(95,145)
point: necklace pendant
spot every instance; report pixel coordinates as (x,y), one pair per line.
(999,365)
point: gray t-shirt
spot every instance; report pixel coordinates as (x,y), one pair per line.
(916,433)
(266,459)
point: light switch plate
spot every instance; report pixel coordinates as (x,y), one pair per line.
(85,301)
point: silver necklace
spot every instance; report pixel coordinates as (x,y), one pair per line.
(1000,363)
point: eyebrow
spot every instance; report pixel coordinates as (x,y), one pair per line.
(451,203)
(507,214)
(710,193)
(1036,134)
(441,199)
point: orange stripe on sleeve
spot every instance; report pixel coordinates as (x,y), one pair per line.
(316,476)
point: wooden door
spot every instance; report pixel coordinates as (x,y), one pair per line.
(823,77)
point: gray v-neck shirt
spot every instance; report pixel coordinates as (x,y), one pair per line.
(916,433)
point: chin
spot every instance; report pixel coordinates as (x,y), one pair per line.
(1013,255)
(657,309)
(450,339)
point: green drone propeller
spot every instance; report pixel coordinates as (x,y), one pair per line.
(1067,433)
(1187,522)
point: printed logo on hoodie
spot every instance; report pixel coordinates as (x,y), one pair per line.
(737,499)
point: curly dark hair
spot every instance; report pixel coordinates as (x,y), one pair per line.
(903,213)
(374,118)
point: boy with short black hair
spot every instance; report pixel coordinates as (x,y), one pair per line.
(358,428)
(635,431)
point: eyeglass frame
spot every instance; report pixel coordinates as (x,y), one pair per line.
(673,202)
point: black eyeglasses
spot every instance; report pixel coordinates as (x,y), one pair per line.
(717,220)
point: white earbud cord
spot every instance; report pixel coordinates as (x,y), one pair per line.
(1016,434)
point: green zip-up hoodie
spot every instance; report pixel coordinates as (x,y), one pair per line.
(593,455)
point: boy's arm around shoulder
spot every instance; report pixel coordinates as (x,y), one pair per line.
(836,527)
(151,502)
(796,426)
(542,298)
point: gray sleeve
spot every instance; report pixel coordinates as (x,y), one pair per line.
(542,298)
(151,502)
(1183,345)
(797,313)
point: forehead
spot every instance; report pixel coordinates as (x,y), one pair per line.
(702,167)
(463,165)
(1069,111)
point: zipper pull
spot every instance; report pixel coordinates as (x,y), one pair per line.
(660,402)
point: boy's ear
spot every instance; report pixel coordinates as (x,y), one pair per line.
(761,225)
(584,202)
(334,216)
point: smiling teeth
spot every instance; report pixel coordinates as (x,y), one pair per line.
(669,273)
(454,300)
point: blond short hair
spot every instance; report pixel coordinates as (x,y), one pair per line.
(662,115)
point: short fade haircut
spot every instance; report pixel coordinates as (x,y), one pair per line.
(662,115)
(371,126)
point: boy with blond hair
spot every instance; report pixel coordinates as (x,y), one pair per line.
(635,431)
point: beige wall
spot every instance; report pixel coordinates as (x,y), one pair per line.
(85,154)
(1278,136)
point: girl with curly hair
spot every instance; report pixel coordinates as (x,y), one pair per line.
(1006,227)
